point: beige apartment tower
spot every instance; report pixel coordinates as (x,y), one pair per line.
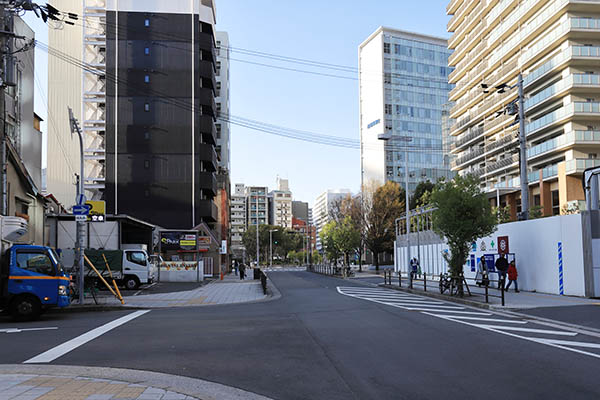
(555,44)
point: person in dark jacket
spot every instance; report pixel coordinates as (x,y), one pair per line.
(501,266)
(242,271)
(512,276)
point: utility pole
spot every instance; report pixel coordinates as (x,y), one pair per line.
(257,244)
(79,241)
(3,64)
(407,210)
(271,245)
(523,153)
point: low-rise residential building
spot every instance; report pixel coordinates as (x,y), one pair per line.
(281,205)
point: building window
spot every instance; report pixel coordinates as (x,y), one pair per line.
(146,107)
(147,51)
(218,131)
(147,135)
(146,164)
(555,203)
(386,48)
(388,109)
(218,68)
(147,78)
(147,22)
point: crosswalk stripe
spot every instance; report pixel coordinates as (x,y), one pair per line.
(530,330)
(510,321)
(452,311)
(404,304)
(475,319)
(571,343)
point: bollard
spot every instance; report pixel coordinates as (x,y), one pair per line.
(486,292)
(502,290)
(425,281)
(399,278)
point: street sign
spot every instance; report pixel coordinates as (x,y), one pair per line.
(503,245)
(80,218)
(97,210)
(81,210)
(80,199)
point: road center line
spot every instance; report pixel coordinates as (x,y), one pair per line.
(72,344)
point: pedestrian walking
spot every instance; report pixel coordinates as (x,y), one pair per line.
(512,276)
(414,265)
(235,267)
(482,273)
(501,267)
(242,271)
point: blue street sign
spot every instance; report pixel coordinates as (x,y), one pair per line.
(81,210)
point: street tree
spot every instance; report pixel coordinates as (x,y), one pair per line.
(346,238)
(383,205)
(421,195)
(332,251)
(463,214)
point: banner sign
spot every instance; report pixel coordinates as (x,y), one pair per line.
(177,241)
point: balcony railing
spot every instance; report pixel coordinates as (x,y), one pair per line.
(547,172)
(472,134)
(563,140)
(467,157)
(499,143)
(503,163)
(581,164)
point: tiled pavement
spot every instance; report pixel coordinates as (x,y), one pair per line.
(40,387)
(230,290)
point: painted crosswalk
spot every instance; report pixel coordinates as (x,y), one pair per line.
(553,336)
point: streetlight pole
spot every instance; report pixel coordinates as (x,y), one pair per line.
(271,244)
(80,226)
(257,241)
(523,153)
(405,139)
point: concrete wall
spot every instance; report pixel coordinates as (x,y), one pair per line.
(535,244)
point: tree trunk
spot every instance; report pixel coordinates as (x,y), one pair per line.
(360,253)
(376,259)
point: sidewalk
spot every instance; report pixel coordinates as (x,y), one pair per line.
(50,382)
(230,290)
(513,301)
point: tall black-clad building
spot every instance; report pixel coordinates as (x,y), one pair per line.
(161,112)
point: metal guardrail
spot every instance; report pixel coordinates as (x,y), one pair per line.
(485,283)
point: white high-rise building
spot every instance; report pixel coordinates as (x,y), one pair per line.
(321,209)
(238,220)
(257,205)
(281,204)
(403,78)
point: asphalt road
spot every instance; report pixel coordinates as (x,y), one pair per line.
(317,343)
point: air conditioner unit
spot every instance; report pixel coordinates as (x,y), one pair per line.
(13,228)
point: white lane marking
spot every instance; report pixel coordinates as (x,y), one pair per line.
(510,321)
(404,304)
(19,330)
(517,329)
(448,311)
(72,344)
(548,342)
(571,343)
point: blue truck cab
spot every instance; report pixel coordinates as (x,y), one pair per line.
(31,281)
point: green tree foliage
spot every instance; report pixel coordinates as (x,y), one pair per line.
(463,215)
(502,214)
(382,205)
(332,251)
(284,241)
(536,212)
(421,195)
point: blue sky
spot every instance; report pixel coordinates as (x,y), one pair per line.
(325,31)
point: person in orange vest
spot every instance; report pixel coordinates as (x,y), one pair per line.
(512,276)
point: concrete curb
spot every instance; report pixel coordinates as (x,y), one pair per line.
(198,388)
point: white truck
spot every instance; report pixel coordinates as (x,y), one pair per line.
(129,267)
